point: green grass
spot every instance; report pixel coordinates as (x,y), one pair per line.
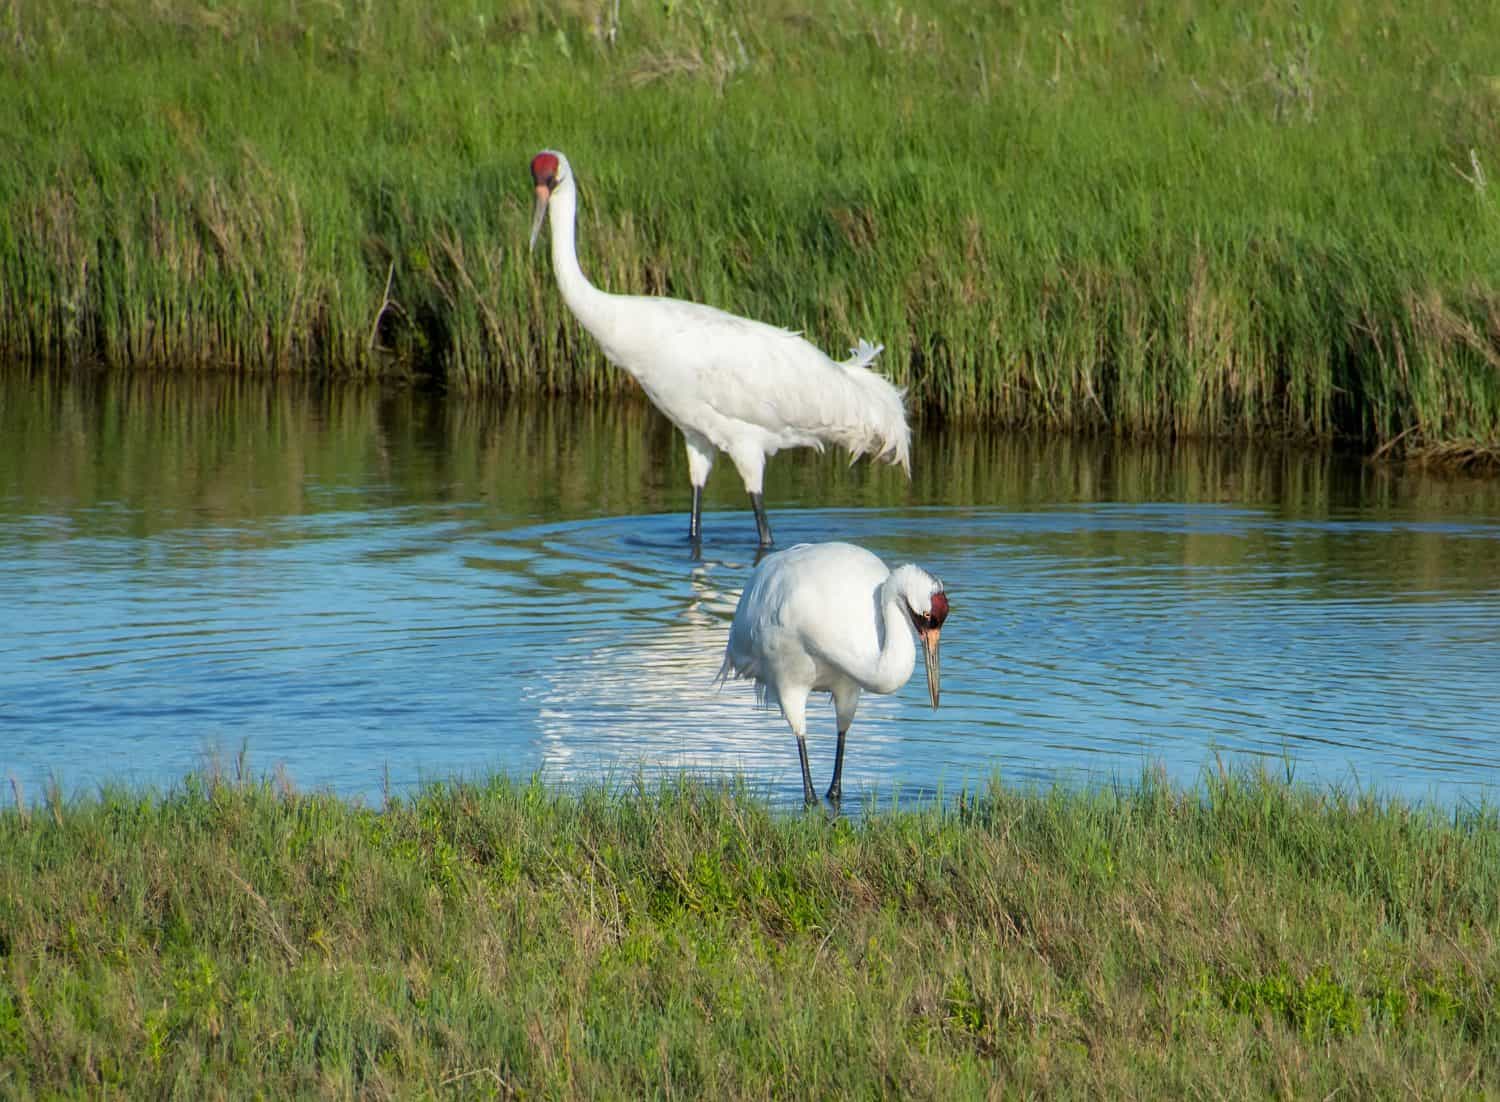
(1176,218)
(497,938)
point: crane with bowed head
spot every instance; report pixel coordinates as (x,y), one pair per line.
(729,383)
(831,617)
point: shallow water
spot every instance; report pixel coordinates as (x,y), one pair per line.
(374,588)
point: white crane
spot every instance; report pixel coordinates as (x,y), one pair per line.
(730,384)
(831,617)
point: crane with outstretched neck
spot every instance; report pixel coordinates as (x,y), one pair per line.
(730,384)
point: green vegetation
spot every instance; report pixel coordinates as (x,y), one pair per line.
(1175,218)
(144,454)
(234,938)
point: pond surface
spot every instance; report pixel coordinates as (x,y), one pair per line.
(367,587)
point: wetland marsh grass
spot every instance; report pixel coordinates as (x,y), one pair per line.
(1176,219)
(498,938)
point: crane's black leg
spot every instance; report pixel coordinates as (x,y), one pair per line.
(809,797)
(757,502)
(695,523)
(836,789)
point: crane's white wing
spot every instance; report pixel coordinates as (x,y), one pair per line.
(811,606)
(703,366)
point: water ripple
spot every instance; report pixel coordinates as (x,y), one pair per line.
(1085,641)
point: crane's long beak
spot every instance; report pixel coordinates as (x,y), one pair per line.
(934,676)
(543,193)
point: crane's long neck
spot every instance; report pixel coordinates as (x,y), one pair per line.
(590,305)
(898,652)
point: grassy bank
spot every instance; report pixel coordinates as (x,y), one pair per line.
(1169,218)
(497,938)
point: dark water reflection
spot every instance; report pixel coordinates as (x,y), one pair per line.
(353,581)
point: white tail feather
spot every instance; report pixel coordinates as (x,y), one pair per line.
(764,697)
(878,426)
(863,354)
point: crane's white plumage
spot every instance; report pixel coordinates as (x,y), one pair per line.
(831,617)
(730,384)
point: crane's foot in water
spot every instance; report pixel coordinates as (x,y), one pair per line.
(836,786)
(762,525)
(695,521)
(809,796)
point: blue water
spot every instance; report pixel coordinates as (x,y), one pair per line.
(389,627)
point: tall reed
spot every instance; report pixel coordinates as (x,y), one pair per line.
(1173,220)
